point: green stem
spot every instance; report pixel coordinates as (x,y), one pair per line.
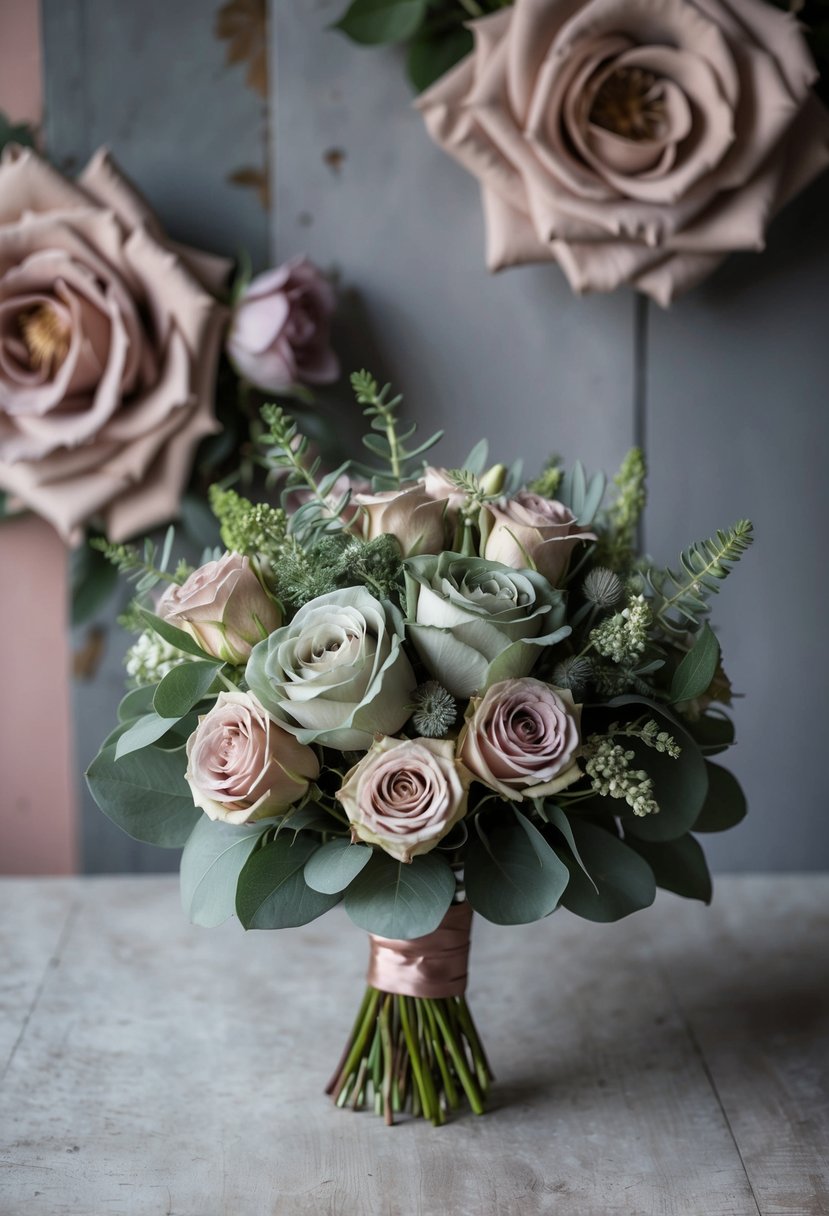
(358,1021)
(459,1060)
(414,1056)
(385,1039)
(448,1083)
(359,1043)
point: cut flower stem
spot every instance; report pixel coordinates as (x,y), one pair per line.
(415,1055)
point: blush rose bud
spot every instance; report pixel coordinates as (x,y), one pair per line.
(279,337)
(223,607)
(241,766)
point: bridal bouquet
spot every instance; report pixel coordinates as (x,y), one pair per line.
(423,693)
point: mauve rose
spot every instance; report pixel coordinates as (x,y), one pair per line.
(632,141)
(242,766)
(418,521)
(222,606)
(521,739)
(529,530)
(279,337)
(405,795)
(108,349)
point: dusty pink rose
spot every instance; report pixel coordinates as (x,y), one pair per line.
(242,766)
(419,522)
(521,739)
(632,141)
(529,530)
(108,349)
(405,795)
(222,606)
(280,335)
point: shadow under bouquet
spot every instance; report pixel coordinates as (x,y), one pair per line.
(424,693)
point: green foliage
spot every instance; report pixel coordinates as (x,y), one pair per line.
(432,54)
(372,22)
(335,865)
(512,875)
(696,671)
(176,637)
(271,892)
(384,440)
(213,858)
(288,455)
(252,529)
(620,881)
(725,804)
(678,865)
(549,479)
(680,599)
(339,560)
(713,731)
(145,568)
(619,527)
(142,733)
(184,687)
(399,900)
(93,582)
(581,495)
(146,794)
(15,133)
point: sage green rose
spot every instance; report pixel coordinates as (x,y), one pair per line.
(337,674)
(474,621)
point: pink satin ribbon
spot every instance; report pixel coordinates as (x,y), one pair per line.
(431,966)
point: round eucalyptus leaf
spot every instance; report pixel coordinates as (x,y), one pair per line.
(622,881)
(335,865)
(511,874)
(401,900)
(210,866)
(145,794)
(272,892)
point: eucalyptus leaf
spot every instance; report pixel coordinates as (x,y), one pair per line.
(475,462)
(622,881)
(183,687)
(696,671)
(678,866)
(212,860)
(142,733)
(176,637)
(310,817)
(511,874)
(372,22)
(335,865)
(394,899)
(713,731)
(136,702)
(429,57)
(556,816)
(272,892)
(725,805)
(145,794)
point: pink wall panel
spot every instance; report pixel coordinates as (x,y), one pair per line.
(37,781)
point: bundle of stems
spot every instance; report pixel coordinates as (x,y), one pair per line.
(420,1055)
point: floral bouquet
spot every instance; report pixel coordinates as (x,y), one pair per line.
(424,693)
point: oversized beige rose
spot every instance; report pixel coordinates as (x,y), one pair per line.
(222,606)
(521,739)
(108,346)
(241,766)
(405,795)
(632,141)
(529,530)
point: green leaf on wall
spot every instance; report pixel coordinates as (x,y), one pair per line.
(379,21)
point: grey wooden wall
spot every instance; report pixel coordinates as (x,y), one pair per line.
(726,392)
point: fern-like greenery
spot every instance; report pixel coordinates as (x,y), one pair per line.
(679,599)
(384,440)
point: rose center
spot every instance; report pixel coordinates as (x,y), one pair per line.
(46,336)
(630,103)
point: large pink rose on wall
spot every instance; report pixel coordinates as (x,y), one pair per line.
(632,141)
(109,337)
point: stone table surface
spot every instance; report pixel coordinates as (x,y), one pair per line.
(675,1062)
